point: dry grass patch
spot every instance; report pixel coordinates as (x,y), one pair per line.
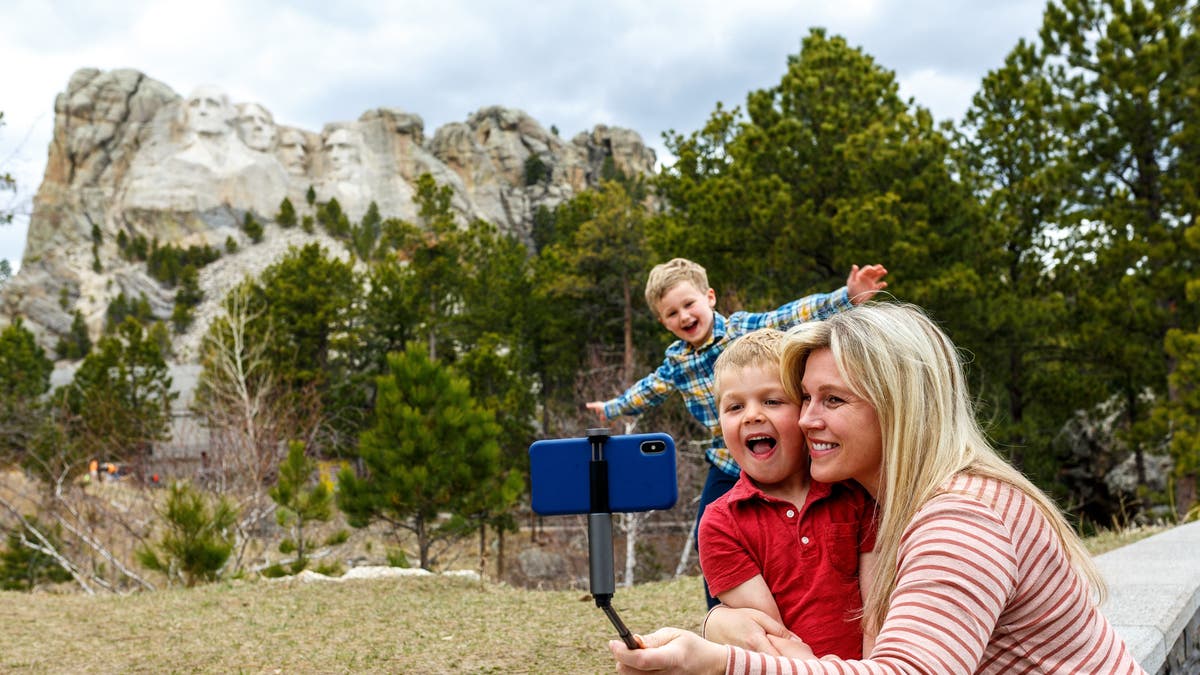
(432,624)
(1107,540)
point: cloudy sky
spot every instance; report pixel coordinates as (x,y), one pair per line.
(648,65)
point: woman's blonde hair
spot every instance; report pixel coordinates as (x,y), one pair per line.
(895,357)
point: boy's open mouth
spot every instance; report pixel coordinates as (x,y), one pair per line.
(760,444)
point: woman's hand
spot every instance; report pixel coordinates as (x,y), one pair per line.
(747,628)
(670,650)
(791,647)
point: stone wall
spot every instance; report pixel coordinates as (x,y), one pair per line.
(1154,599)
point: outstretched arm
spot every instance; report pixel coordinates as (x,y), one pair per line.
(864,282)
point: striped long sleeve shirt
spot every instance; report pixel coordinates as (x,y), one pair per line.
(689,370)
(983,586)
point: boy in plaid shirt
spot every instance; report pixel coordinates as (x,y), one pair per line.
(678,293)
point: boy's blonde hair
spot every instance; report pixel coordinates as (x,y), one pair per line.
(665,276)
(762,348)
(896,358)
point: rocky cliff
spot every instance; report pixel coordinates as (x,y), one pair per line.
(131,158)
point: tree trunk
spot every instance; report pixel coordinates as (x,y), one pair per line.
(1185,495)
(630,523)
(500,555)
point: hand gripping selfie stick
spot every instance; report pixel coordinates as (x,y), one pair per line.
(600,539)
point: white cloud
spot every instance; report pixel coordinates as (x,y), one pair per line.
(649,66)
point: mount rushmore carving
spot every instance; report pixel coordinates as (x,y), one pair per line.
(130,157)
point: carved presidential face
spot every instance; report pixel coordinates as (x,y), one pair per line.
(342,149)
(256,127)
(292,152)
(207,111)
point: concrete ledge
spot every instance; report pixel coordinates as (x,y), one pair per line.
(1154,599)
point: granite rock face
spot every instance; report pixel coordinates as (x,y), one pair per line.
(130,157)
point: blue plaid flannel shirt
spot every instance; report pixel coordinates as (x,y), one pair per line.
(689,370)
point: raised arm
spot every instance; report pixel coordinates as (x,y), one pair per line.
(646,393)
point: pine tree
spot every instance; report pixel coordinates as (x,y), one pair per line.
(430,450)
(299,504)
(252,228)
(24,379)
(24,568)
(198,539)
(287,214)
(120,399)
(77,343)
(187,296)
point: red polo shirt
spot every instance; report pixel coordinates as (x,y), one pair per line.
(807,556)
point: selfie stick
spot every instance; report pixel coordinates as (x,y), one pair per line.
(600,540)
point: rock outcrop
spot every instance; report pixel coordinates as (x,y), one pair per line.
(131,158)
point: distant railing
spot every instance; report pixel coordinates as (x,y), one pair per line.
(1154,599)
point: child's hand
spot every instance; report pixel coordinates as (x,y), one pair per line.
(745,627)
(598,408)
(863,283)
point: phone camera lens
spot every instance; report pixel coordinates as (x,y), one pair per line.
(653,447)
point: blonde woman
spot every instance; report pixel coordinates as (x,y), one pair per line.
(977,570)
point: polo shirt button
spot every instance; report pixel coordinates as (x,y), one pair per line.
(803,540)
(791,513)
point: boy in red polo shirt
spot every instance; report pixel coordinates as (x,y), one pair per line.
(779,541)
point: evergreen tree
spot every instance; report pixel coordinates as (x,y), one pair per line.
(1126,77)
(24,568)
(333,219)
(306,321)
(307,299)
(287,214)
(198,539)
(364,236)
(299,504)
(536,171)
(1014,156)
(252,228)
(435,253)
(24,379)
(390,316)
(827,169)
(430,450)
(187,296)
(77,343)
(123,307)
(120,399)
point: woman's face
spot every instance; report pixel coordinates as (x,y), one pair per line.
(844,438)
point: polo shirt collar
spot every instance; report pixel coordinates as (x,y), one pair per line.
(745,489)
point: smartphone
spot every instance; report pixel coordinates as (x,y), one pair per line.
(641,474)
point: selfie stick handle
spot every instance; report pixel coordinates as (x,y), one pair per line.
(600,540)
(600,546)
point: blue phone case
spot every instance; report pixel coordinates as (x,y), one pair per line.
(641,474)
